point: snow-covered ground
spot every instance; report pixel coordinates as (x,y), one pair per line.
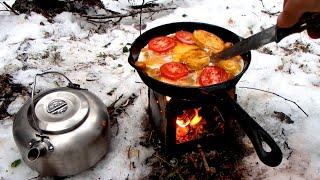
(71,45)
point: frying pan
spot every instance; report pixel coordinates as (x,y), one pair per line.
(217,93)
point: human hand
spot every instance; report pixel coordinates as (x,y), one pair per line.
(293,10)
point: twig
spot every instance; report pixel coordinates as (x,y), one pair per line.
(132,166)
(112,112)
(150,17)
(145,5)
(36,177)
(126,103)
(94,21)
(262,3)
(282,132)
(150,136)
(6,9)
(9,7)
(118,20)
(244,87)
(270,13)
(140,17)
(117,132)
(129,152)
(290,153)
(286,145)
(112,108)
(115,111)
(133,13)
(193,162)
(209,170)
(175,171)
(216,108)
(181,178)
(163,160)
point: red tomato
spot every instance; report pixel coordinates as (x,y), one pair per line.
(161,44)
(173,70)
(185,37)
(212,75)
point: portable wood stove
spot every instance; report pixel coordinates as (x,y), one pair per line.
(184,124)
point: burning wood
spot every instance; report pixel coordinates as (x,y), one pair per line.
(190,126)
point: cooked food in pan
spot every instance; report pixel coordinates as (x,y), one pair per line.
(183,59)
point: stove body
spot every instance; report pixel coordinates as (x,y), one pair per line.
(184,124)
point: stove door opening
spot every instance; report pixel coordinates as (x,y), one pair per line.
(194,122)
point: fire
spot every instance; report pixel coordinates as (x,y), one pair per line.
(190,117)
(182,123)
(190,125)
(196,119)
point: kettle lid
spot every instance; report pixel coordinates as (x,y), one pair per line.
(61,111)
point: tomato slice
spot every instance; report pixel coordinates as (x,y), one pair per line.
(212,75)
(161,44)
(185,37)
(173,70)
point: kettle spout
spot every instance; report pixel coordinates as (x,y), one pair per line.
(37,150)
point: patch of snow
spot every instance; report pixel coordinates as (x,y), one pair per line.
(73,29)
(96,62)
(14,107)
(71,45)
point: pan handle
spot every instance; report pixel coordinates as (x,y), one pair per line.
(257,135)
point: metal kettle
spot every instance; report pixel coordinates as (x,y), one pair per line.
(62,131)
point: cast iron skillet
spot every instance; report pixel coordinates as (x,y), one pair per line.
(217,92)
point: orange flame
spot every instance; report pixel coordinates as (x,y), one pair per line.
(185,119)
(196,118)
(182,122)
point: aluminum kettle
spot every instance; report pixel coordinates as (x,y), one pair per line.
(62,131)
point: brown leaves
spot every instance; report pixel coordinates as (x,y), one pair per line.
(283,117)
(8,93)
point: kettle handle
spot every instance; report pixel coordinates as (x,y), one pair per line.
(33,116)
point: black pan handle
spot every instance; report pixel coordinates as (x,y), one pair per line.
(254,131)
(310,21)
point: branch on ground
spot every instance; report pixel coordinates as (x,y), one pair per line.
(278,96)
(133,12)
(9,7)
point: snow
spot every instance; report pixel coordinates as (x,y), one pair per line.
(71,45)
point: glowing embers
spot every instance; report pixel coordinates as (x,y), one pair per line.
(189,126)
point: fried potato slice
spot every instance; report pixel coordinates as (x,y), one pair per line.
(233,65)
(152,60)
(208,40)
(155,61)
(141,65)
(180,49)
(195,59)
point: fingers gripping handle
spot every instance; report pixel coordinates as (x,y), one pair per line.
(309,21)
